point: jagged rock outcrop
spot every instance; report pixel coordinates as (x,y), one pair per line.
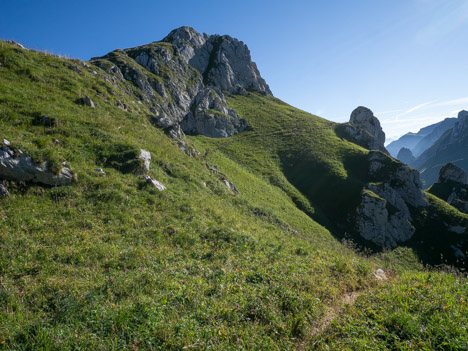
(383,215)
(184,77)
(211,117)
(16,166)
(380,221)
(452,173)
(452,187)
(364,129)
(459,131)
(223,61)
(405,155)
(403,179)
(3,191)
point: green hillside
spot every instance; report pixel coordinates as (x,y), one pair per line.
(111,263)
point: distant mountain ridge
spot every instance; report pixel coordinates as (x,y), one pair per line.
(452,147)
(423,139)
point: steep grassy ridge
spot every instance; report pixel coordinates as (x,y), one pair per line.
(109,263)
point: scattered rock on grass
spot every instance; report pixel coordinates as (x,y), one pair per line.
(231,186)
(146,157)
(100,171)
(380,274)
(87,101)
(3,191)
(154,183)
(16,166)
(15,43)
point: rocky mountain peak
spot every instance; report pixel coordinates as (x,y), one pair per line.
(183,79)
(187,34)
(223,61)
(451,172)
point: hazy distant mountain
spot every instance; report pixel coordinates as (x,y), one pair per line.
(452,147)
(420,141)
(408,141)
(432,137)
(405,155)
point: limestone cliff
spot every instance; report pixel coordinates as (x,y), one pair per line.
(184,77)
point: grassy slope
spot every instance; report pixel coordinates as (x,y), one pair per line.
(107,263)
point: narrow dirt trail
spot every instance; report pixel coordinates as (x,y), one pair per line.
(337,308)
(334,311)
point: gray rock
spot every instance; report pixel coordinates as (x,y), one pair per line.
(457,252)
(383,222)
(19,167)
(121,105)
(100,171)
(3,191)
(223,61)
(364,129)
(405,155)
(15,43)
(453,173)
(211,117)
(146,157)
(154,183)
(176,133)
(75,68)
(460,129)
(230,185)
(458,198)
(380,274)
(86,100)
(457,229)
(403,179)
(6,142)
(383,215)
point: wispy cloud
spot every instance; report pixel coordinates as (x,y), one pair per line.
(417,107)
(451,15)
(414,118)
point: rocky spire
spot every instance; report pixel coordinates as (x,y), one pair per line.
(364,129)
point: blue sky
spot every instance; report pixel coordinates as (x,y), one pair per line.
(407,60)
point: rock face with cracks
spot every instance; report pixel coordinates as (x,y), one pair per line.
(384,213)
